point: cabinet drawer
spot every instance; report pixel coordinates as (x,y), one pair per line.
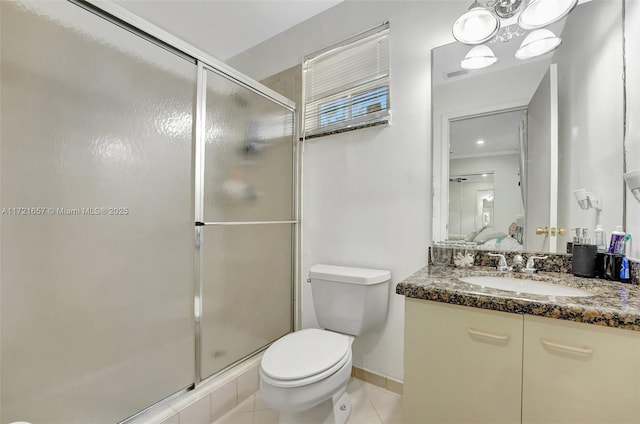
(579,373)
(464,364)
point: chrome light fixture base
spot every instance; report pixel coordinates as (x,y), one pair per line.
(506,9)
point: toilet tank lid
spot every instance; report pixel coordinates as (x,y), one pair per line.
(344,274)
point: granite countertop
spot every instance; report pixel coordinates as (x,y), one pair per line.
(612,304)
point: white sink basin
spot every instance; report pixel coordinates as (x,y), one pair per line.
(525,286)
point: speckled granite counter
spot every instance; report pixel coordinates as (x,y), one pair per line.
(612,304)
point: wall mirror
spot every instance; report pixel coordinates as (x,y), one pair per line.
(513,141)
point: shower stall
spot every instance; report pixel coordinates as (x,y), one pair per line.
(148,227)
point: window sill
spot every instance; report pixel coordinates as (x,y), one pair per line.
(384,121)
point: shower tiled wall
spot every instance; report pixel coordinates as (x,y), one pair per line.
(289,84)
(211,400)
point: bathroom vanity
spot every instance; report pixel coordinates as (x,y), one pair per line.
(476,354)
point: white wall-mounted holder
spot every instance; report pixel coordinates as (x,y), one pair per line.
(587,200)
(633,182)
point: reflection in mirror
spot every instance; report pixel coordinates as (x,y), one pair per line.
(571,102)
(470,205)
(486,203)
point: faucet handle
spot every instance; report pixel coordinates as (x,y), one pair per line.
(502,263)
(531,264)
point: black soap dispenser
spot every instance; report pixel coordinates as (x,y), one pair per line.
(584,260)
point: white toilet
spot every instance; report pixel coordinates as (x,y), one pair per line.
(304,374)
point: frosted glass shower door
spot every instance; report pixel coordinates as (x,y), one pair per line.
(97,217)
(247,267)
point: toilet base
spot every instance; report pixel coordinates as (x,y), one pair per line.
(335,410)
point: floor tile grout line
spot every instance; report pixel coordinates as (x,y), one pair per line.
(369,394)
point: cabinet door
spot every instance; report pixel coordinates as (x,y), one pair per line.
(579,373)
(462,365)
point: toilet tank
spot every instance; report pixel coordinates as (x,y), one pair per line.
(350,300)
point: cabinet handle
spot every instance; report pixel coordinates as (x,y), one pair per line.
(579,351)
(488,336)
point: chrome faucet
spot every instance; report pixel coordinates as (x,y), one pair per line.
(530,268)
(502,263)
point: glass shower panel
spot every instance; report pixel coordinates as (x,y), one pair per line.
(247,298)
(97,217)
(248,172)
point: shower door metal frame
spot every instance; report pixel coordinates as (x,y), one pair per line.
(200,223)
(123,17)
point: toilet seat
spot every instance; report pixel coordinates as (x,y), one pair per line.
(304,357)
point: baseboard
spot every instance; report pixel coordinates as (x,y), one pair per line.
(377,380)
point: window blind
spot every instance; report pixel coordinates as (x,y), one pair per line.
(347,86)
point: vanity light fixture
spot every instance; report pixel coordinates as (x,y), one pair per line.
(483,23)
(480,143)
(479,57)
(507,8)
(540,13)
(537,43)
(587,200)
(478,25)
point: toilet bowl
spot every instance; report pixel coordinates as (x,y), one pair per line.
(304,375)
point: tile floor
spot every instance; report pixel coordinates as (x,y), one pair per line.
(371,405)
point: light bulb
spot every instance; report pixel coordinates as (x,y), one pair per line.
(540,13)
(477,26)
(537,43)
(478,57)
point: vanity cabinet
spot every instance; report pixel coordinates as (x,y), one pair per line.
(469,365)
(462,365)
(579,373)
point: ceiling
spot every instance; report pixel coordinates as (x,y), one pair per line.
(499,132)
(225,28)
